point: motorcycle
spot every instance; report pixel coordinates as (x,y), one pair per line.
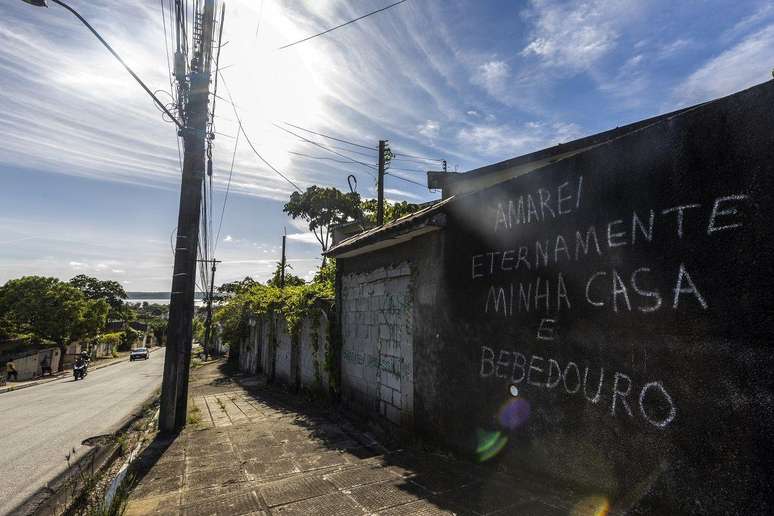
(79,371)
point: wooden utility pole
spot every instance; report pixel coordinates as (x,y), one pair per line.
(380,185)
(208,321)
(174,387)
(282,261)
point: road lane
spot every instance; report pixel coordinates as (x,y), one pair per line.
(40,425)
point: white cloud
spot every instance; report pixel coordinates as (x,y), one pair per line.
(401,194)
(503,142)
(77,265)
(473,113)
(759,17)
(492,76)
(299,224)
(675,47)
(574,36)
(429,129)
(118,271)
(743,65)
(306,238)
(228,238)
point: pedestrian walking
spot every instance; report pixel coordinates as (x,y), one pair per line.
(45,365)
(10,370)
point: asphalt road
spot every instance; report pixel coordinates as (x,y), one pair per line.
(40,425)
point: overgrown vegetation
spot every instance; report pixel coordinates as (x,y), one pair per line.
(292,302)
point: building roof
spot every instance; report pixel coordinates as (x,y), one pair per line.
(400,230)
(477,179)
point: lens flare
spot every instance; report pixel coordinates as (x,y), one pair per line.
(513,413)
(592,506)
(489,444)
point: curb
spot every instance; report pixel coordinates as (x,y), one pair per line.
(55,498)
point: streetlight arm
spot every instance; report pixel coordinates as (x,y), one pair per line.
(136,78)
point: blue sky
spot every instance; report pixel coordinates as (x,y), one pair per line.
(90,170)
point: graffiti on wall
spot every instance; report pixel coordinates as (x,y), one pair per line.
(548,284)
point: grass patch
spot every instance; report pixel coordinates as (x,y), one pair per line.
(123,443)
(194,415)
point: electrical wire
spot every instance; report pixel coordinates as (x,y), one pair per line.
(400,155)
(329,137)
(228,189)
(260,17)
(407,169)
(166,48)
(320,157)
(405,179)
(326,148)
(247,138)
(376,151)
(339,26)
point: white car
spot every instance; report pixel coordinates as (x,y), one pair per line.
(139,353)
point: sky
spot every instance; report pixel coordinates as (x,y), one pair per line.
(90,169)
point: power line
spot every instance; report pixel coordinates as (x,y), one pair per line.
(339,26)
(329,137)
(247,138)
(401,155)
(406,169)
(260,17)
(405,179)
(320,157)
(354,151)
(324,147)
(228,189)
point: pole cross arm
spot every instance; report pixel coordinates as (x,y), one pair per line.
(43,3)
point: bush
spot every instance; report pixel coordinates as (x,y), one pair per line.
(128,336)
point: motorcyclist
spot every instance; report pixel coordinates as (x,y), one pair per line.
(79,363)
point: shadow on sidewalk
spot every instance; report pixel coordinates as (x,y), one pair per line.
(263,450)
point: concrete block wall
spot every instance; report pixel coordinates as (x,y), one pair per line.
(283,358)
(298,362)
(312,348)
(377,343)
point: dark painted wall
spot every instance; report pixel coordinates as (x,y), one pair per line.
(646,370)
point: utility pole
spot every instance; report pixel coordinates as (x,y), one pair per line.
(282,262)
(208,322)
(174,387)
(380,185)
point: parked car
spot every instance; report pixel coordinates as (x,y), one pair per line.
(139,353)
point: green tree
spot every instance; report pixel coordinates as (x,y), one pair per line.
(93,288)
(323,208)
(326,274)
(291,280)
(94,317)
(392,211)
(46,308)
(228,290)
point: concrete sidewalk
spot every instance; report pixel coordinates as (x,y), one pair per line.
(259,450)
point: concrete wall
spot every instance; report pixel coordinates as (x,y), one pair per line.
(28,365)
(625,293)
(299,362)
(377,346)
(385,300)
